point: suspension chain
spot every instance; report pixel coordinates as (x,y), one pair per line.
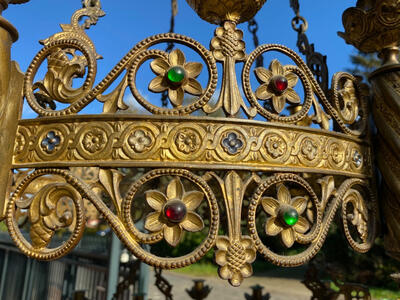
(315,60)
(253,28)
(170,45)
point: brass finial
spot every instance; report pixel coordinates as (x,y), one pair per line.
(219,11)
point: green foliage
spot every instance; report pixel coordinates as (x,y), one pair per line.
(199,269)
(371,269)
(364,64)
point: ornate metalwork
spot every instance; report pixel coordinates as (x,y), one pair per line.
(163,285)
(322,290)
(257,294)
(374,27)
(199,291)
(315,60)
(295,175)
(219,11)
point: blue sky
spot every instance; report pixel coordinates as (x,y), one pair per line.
(129,21)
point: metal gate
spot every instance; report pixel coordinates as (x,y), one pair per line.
(84,270)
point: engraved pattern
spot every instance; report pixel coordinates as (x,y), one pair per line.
(111,142)
(230,157)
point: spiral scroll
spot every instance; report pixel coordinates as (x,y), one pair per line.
(354,112)
(316,234)
(47,215)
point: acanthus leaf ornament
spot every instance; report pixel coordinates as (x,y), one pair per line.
(295,175)
(235,252)
(228,47)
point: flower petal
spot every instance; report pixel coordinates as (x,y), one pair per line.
(193,87)
(292,79)
(272,228)
(237,278)
(172,234)
(302,225)
(193,222)
(250,255)
(263,93)
(220,258)
(246,270)
(158,85)
(247,242)
(300,204)
(159,66)
(153,222)
(270,205)
(276,68)
(192,199)
(278,103)
(239,35)
(292,96)
(230,26)
(177,58)
(216,44)
(219,55)
(223,243)
(284,194)
(193,69)
(155,199)
(263,75)
(219,31)
(240,55)
(176,96)
(288,237)
(175,189)
(224,272)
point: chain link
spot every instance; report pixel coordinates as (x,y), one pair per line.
(315,60)
(170,45)
(253,28)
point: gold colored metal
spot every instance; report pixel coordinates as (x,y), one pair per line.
(235,252)
(280,160)
(10,105)
(374,27)
(188,142)
(158,221)
(218,11)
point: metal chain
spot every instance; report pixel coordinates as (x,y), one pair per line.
(162,284)
(253,28)
(170,45)
(315,60)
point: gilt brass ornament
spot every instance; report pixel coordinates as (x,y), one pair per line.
(287,155)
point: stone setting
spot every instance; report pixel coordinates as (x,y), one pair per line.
(280,83)
(175,211)
(176,75)
(357,159)
(290,216)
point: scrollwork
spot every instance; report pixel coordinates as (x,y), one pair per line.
(161,226)
(49,211)
(350,118)
(286,217)
(174,66)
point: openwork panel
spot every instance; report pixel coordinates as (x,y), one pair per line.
(295,209)
(123,141)
(282,158)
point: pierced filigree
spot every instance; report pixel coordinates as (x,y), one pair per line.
(277,84)
(277,208)
(172,224)
(177,76)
